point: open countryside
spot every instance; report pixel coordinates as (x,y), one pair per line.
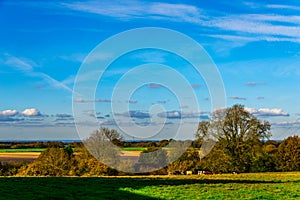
(155,100)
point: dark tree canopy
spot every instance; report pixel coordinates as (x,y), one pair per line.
(288,155)
(239,130)
(234,123)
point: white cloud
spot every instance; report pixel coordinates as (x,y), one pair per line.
(233,37)
(266,112)
(182,12)
(8,113)
(136,10)
(256,26)
(279,6)
(287,123)
(250,25)
(294,19)
(31,112)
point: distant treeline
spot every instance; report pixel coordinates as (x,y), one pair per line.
(77,144)
(60,160)
(35,144)
(233,140)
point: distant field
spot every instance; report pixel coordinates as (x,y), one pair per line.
(29,155)
(225,186)
(43,149)
(19,157)
(22,150)
(135,149)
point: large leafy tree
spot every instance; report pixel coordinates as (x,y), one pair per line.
(51,162)
(101,145)
(239,130)
(288,155)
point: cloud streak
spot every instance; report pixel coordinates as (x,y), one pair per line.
(27,67)
(252,84)
(126,10)
(237,98)
(178,114)
(136,114)
(250,27)
(153,85)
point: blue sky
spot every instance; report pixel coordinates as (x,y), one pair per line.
(255,46)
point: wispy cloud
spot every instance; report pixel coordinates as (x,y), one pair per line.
(287,123)
(131,9)
(27,67)
(151,57)
(280,6)
(237,98)
(246,27)
(252,84)
(92,113)
(180,115)
(136,114)
(52,82)
(239,27)
(257,25)
(162,101)
(19,63)
(133,101)
(81,100)
(154,85)
(64,116)
(195,85)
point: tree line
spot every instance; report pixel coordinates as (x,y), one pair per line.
(240,144)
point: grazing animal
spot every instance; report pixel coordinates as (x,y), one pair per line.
(205,173)
(189,172)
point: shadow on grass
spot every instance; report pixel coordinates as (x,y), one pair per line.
(94,187)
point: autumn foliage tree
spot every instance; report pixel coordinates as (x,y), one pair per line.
(288,155)
(52,162)
(240,131)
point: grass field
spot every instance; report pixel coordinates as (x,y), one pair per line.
(226,186)
(22,150)
(74,149)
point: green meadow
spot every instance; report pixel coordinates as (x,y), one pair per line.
(223,186)
(24,150)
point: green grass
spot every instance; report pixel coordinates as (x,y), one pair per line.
(22,150)
(74,149)
(227,186)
